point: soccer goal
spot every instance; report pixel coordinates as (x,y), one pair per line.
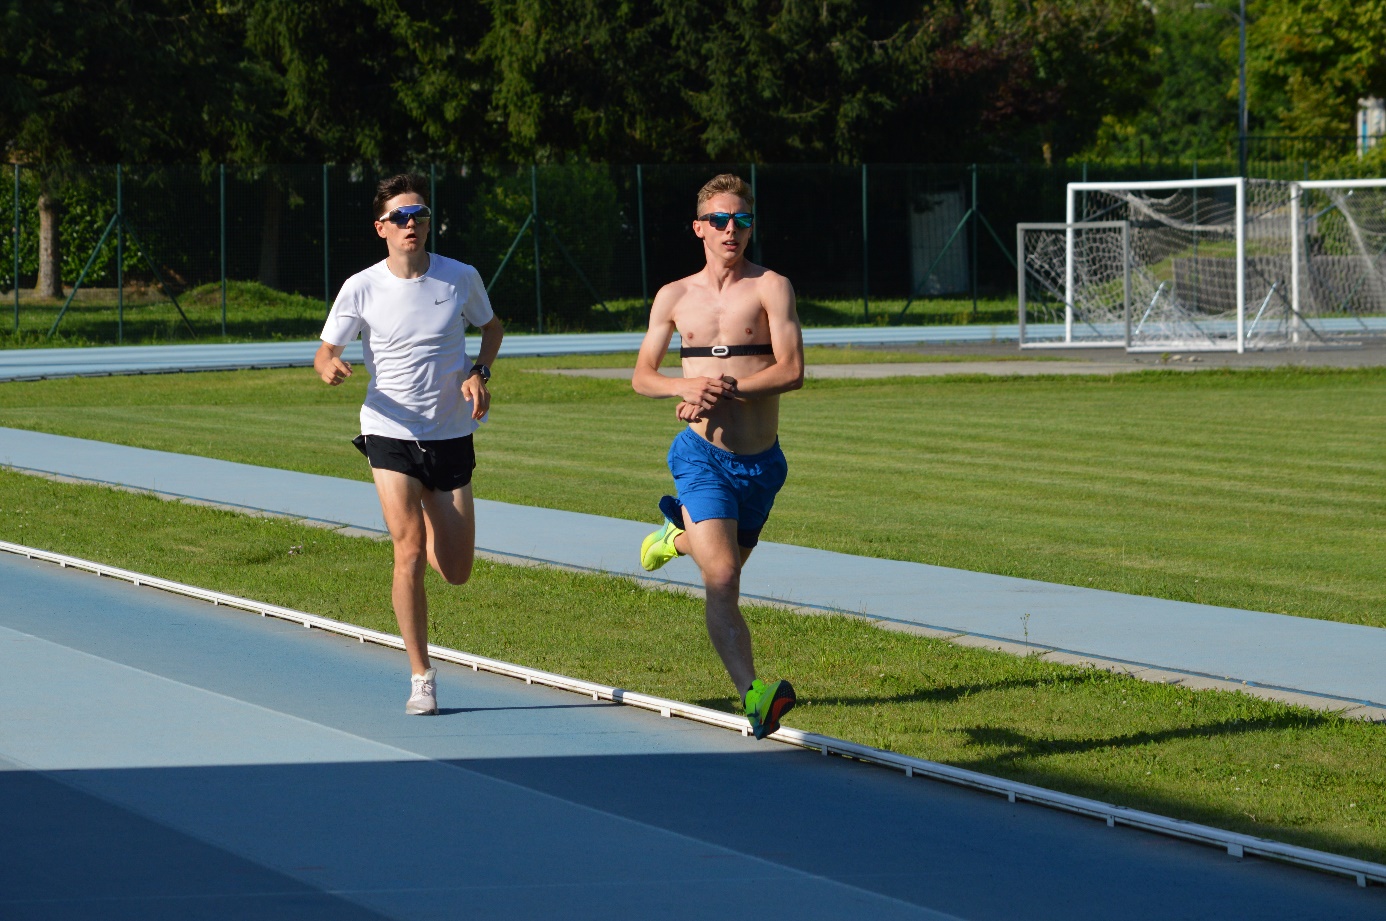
(1210,264)
(1338,277)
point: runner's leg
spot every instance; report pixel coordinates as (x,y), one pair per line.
(450,523)
(712,544)
(682,545)
(400,500)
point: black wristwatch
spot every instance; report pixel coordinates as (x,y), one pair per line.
(483,370)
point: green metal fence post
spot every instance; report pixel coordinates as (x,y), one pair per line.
(16,249)
(640,210)
(120,260)
(538,272)
(865,254)
(973,230)
(326,249)
(223,249)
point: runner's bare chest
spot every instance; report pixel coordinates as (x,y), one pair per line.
(734,318)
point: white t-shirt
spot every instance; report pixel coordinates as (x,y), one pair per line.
(413,333)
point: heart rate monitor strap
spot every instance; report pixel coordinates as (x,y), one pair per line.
(725,351)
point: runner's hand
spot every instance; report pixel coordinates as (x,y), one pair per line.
(704,392)
(688,412)
(334,371)
(475,392)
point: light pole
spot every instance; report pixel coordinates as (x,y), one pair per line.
(1240,16)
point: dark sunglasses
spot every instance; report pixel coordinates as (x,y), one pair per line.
(718,219)
(401,215)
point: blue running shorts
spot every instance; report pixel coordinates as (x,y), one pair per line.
(714,483)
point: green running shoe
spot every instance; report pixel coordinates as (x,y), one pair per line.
(766,704)
(658,548)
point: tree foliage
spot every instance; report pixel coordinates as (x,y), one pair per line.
(1309,63)
(841,81)
(811,80)
(109,81)
(1189,109)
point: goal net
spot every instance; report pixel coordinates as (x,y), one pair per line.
(1338,282)
(1210,264)
(1074,283)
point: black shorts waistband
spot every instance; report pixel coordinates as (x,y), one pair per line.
(725,351)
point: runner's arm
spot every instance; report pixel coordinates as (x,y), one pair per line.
(492,332)
(786,338)
(474,389)
(329,364)
(647,381)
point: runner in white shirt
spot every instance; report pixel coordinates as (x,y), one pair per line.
(424,401)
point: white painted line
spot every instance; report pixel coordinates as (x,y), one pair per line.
(1235,843)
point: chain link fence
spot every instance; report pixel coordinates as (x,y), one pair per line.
(562,248)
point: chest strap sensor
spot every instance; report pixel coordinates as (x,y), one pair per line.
(725,351)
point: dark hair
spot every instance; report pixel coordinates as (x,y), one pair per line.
(398,185)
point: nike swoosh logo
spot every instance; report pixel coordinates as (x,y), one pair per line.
(443,301)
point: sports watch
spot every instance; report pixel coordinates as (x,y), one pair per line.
(483,370)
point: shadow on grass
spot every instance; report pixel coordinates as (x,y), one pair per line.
(1019,746)
(943,695)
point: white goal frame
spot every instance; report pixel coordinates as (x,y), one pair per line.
(1238,184)
(1272,291)
(1299,257)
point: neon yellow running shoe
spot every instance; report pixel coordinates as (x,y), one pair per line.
(658,548)
(766,704)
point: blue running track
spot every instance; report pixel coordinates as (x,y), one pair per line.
(163,758)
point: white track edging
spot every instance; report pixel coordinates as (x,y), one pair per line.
(1235,843)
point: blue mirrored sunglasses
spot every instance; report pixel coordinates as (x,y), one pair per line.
(718,219)
(400,216)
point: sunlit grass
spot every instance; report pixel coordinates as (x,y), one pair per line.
(1253,489)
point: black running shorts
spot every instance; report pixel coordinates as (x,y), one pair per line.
(439,465)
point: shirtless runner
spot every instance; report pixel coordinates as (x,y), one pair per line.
(742,347)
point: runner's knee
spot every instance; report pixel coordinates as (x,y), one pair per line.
(410,555)
(722,576)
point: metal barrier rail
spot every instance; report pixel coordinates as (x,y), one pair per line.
(1235,843)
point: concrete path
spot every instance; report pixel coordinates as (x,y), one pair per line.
(38,364)
(999,341)
(1314,662)
(164,759)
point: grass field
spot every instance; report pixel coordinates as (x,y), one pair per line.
(255,313)
(1222,759)
(1251,489)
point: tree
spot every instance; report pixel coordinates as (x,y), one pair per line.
(1190,109)
(1012,79)
(587,79)
(102,83)
(794,80)
(1308,63)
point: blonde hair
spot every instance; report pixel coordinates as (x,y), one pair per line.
(725,182)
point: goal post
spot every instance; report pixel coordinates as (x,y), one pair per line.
(1207,264)
(1189,245)
(1338,277)
(1076,280)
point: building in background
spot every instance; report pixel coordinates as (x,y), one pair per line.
(1371,123)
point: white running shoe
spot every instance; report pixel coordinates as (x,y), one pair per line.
(423,699)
